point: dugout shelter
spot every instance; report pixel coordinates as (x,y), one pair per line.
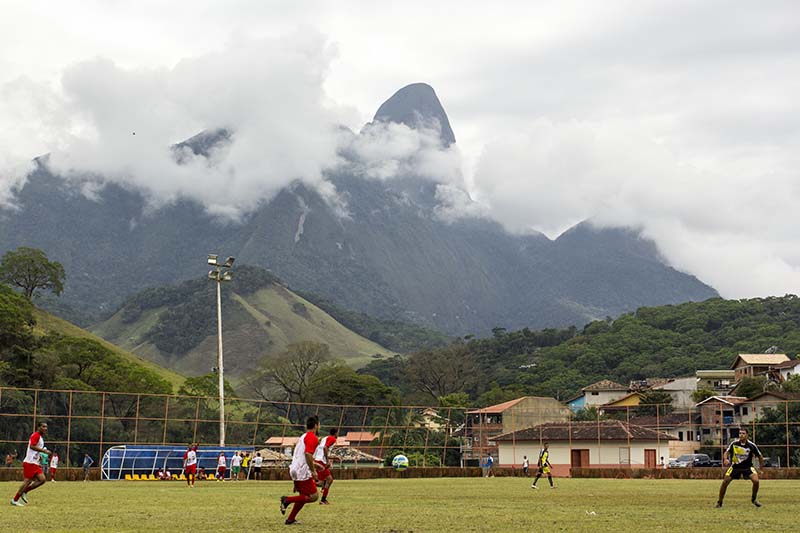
(148,459)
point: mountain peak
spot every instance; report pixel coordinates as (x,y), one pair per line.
(413,105)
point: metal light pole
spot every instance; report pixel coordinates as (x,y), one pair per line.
(219,275)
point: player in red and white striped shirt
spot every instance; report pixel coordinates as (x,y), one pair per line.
(323,459)
(303,471)
(31,469)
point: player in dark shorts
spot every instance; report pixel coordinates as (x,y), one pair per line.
(739,456)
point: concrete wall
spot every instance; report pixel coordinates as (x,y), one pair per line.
(534,411)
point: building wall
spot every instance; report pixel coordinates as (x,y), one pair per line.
(534,411)
(602,397)
(786,372)
(578,403)
(603,455)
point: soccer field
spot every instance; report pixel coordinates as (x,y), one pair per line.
(457,504)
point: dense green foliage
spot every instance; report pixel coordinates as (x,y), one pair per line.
(29,269)
(398,336)
(666,341)
(59,361)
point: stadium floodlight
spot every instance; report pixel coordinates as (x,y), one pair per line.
(219,276)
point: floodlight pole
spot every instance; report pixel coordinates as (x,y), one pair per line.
(218,275)
(220,370)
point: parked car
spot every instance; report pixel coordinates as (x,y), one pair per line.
(691,460)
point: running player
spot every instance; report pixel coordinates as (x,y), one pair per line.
(32,472)
(323,459)
(303,471)
(54,466)
(544,467)
(740,456)
(190,464)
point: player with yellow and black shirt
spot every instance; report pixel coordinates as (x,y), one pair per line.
(544,467)
(739,456)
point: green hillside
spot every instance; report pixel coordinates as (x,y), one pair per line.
(666,341)
(176,326)
(38,350)
(47,323)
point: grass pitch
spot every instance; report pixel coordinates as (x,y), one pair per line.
(458,504)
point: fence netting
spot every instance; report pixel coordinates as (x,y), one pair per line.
(91,422)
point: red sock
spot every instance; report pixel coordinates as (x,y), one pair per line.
(325,492)
(296,509)
(16,498)
(302,498)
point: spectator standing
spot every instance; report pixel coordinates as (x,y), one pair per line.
(221,466)
(87,463)
(236,466)
(257,462)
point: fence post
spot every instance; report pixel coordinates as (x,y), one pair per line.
(69,426)
(786,422)
(513,444)
(628,432)
(196,416)
(446,437)
(102,426)
(385,429)
(425,449)
(658,434)
(255,429)
(35,400)
(166,417)
(136,420)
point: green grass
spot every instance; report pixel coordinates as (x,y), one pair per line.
(456,504)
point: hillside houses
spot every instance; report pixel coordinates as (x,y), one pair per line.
(686,426)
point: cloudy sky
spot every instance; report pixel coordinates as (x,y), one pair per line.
(679,118)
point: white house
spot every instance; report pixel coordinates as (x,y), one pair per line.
(595,444)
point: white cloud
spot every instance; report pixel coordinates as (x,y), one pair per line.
(731,225)
(387,150)
(268,92)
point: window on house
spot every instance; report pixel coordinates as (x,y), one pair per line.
(744,410)
(595,393)
(680,435)
(706,431)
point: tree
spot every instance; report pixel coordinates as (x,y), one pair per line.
(206,385)
(444,371)
(792,384)
(702,394)
(339,384)
(292,372)
(749,387)
(653,402)
(29,269)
